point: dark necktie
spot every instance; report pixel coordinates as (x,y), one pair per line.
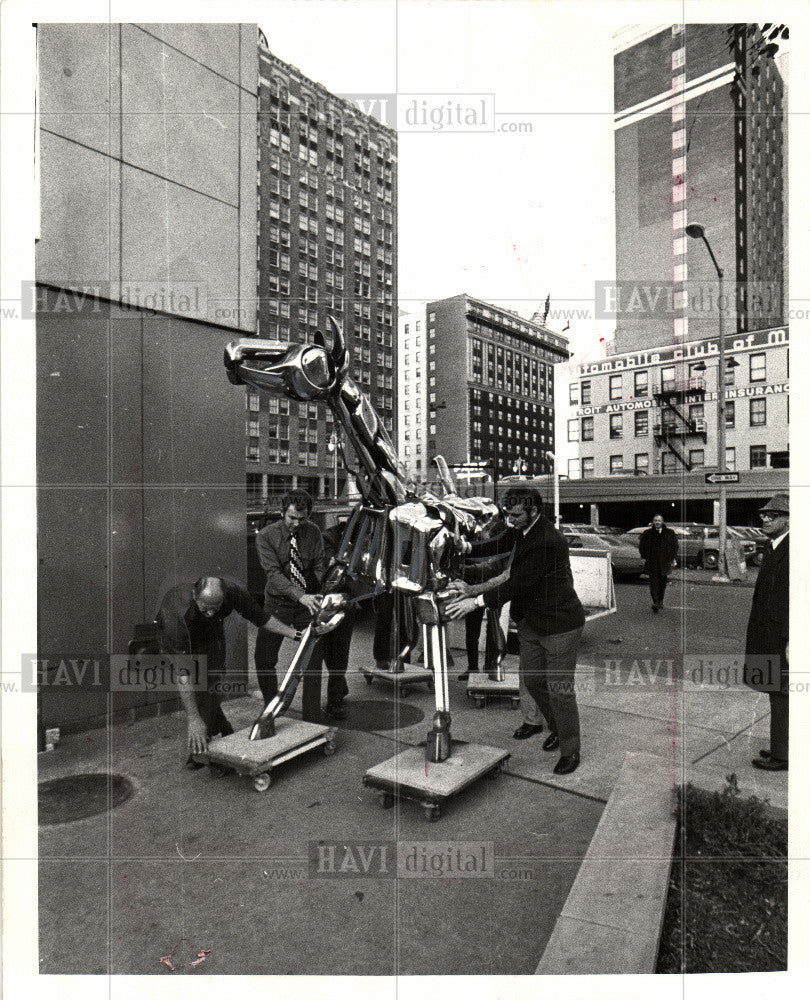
(296,566)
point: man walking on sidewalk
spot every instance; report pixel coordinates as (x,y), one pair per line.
(766,642)
(658,547)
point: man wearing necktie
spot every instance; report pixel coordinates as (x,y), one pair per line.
(291,554)
(766,643)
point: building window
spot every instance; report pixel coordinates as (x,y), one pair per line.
(587,428)
(668,463)
(642,422)
(641,384)
(757,370)
(668,379)
(731,459)
(585,392)
(730,377)
(253,401)
(696,412)
(758,456)
(573,430)
(642,463)
(696,458)
(615,425)
(587,468)
(573,393)
(615,388)
(616,464)
(573,468)
(758,414)
(729,413)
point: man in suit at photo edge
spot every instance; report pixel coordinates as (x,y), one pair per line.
(766,641)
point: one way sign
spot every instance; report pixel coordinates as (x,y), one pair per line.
(722,477)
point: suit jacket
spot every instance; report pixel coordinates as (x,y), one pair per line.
(767,633)
(658,549)
(273,544)
(540,584)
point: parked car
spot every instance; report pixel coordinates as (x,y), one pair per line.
(760,540)
(698,544)
(624,557)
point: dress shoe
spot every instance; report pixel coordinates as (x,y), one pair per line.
(655,609)
(565,765)
(194,765)
(525,730)
(336,712)
(770,763)
(467,674)
(552,742)
(765,753)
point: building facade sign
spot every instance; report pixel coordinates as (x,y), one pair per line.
(696,351)
(692,397)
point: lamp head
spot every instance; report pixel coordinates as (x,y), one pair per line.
(695,231)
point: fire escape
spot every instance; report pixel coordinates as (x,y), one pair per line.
(674,428)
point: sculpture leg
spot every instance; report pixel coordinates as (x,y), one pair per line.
(438,738)
(264,726)
(495,648)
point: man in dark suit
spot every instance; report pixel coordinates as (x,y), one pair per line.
(549,615)
(658,547)
(766,642)
(291,554)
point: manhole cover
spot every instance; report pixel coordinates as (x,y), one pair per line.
(63,800)
(369,715)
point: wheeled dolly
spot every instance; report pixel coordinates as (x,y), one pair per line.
(409,776)
(403,680)
(257,759)
(481,687)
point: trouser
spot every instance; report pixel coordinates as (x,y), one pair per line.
(528,706)
(548,663)
(391,630)
(335,649)
(268,645)
(779,725)
(472,633)
(209,705)
(658,584)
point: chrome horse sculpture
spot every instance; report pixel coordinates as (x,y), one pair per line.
(394,540)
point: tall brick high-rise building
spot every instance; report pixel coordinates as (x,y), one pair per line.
(698,139)
(327,243)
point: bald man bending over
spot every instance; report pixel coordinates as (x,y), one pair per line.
(191,621)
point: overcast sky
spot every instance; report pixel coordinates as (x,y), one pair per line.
(506,217)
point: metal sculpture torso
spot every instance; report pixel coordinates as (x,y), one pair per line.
(394,539)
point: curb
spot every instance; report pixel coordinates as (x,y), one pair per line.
(611,921)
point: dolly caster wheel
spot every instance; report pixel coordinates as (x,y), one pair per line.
(262,781)
(328,748)
(404,691)
(432,813)
(369,679)
(387,800)
(515,704)
(480,702)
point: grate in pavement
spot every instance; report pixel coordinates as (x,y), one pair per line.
(77,796)
(372,715)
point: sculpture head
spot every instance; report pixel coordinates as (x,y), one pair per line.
(303,372)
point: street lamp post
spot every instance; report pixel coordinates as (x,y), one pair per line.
(697,232)
(553,456)
(333,447)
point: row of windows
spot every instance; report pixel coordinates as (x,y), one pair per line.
(582,428)
(579,393)
(584,467)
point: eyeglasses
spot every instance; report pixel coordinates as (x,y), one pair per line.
(766,515)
